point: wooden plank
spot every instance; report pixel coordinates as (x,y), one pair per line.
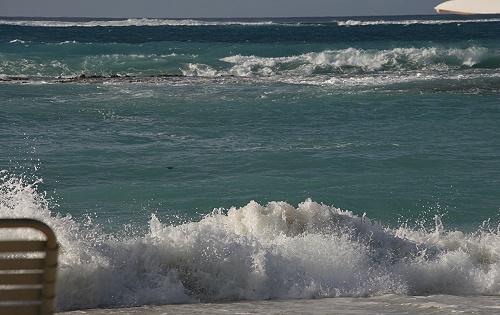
(19,309)
(22,246)
(21,278)
(20,294)
(21,264)
(34,224)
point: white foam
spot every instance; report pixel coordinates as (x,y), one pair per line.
(355,60)
(348,67)
(128,22)
(413,21)
(273,251)
(199,70)
(222,22)
(17,41)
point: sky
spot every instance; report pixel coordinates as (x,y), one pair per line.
(213,8)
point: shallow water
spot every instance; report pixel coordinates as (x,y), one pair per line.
(391,304)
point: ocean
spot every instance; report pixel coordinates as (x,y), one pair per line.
(258,166)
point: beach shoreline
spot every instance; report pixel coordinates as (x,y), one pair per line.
(386,304)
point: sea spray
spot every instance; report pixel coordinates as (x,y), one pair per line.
(256,252)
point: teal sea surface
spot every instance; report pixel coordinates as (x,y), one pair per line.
(188,161)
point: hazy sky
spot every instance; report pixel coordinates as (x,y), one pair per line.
(214,8)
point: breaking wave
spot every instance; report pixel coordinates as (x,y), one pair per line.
(414,21)
(127,22)
(350,67)
(361,61)
(256,252)
(87,22)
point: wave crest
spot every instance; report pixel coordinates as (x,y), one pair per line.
(413,22)
(257,252)
(128,22)
(358,60)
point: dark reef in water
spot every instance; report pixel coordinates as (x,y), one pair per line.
(94,78)
(14,78)
(170,78)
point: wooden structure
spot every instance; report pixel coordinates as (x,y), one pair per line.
(28,270)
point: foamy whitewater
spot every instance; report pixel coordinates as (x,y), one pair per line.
(259,252)
(261,166)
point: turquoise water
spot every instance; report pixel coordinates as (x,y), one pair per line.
(188,160)
(125,151)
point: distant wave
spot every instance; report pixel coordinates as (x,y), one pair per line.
(413,21)
(354,60)
(128,22)
(350,67)
(225,22)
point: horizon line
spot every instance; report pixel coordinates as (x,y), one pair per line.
(227,18)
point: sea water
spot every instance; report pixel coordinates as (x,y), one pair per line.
(299,166)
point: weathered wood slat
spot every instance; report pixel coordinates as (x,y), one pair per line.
(20,294)
(22,246)
(21,278)
(21,264)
